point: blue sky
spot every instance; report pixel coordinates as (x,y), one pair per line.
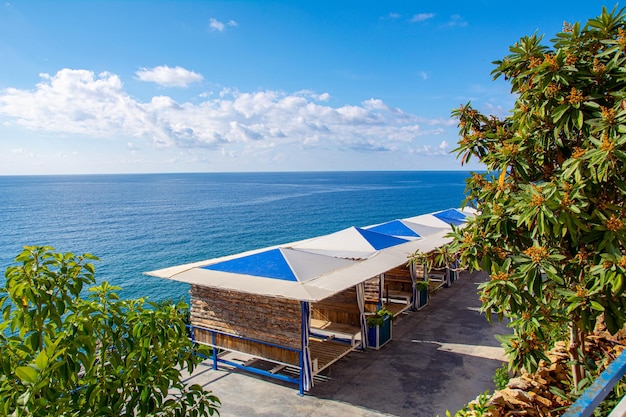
(207,86)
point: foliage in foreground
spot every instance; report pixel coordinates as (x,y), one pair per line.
(61,354)
(550,229)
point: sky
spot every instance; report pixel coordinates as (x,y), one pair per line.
(89,87)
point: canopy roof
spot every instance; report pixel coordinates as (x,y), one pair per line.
(451,216)
(350,243)
(281,263)
(406,229)
(317,268)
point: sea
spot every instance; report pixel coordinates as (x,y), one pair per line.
(141,222)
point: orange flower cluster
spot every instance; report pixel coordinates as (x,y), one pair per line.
(534,62)
(537,200)
(608,114)
(597,67)
(499,276)
(621,37)
(614,223)
(567,27)
(578,152)
(550,59)
(551,90)
(566,201)
(582,255)
(622,262)
(605,144)
(501,252)
(478,179)
(570,59)
(575,96)
(511,148)
(536,253)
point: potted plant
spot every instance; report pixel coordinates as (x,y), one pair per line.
(379,328)
(422,293)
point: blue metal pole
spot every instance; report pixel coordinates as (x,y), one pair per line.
(301,387)
(589,400)
(213,351)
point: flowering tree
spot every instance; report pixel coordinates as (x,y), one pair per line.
(550,229)
(61,354)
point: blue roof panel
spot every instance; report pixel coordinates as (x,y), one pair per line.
(452,216)
(268,264)
(394,228)
(380,240)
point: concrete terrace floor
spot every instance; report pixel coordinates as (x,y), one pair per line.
(440,358)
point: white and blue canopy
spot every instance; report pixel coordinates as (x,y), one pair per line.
(281,263)
(406,229)
(351,243)
(317,268)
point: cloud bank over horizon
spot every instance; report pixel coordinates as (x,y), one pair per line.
(169,77)
(80,102)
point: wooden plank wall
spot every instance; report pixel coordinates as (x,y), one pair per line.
(419,271)
(372,294)
(398,279)
(372,290)
(269,319)
(339,308)
(260,350)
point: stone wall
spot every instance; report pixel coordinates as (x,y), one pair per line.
(269,319)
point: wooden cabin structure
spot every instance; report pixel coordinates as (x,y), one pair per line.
(302,306)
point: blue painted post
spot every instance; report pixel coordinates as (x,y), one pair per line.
(587,403)
(213,351)
(301,387)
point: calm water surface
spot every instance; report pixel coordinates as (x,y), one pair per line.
(136,223)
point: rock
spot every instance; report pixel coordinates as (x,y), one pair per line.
(497,399)
(521,383)
(541,400)
(517,397)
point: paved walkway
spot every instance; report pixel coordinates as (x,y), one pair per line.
(440,358)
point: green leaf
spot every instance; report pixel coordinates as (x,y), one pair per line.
(27,374)
(559,112)
(597,306)
(41,361)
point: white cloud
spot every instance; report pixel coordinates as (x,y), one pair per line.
(443,149)
(219,26)
(424,75)
(420,17)
(97,106)
(168,76)
(456,20)
(21,151)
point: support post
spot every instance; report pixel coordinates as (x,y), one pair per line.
(213,351)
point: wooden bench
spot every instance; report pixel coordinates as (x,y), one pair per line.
(338,331)
(401,296)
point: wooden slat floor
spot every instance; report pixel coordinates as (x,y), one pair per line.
(327,352)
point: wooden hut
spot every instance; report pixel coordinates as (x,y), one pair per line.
(300,306)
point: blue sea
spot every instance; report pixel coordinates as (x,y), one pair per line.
(141,222)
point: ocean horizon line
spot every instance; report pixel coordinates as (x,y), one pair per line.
(243,172)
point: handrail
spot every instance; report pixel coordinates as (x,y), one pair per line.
(193,326)
(215,359)
(593,396)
